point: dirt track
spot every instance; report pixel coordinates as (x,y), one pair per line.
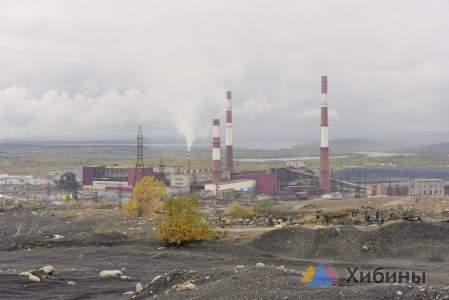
(97,240)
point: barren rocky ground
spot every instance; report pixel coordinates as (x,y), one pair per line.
(251,262)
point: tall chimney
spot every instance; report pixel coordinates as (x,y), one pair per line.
(188,162)
(229,157)
(324,149)
(216,162)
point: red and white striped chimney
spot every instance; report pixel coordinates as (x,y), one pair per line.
(324,149)
(229,156)
(188,162)
(216,160)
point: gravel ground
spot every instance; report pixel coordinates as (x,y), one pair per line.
(91,241)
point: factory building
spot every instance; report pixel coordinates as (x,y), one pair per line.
(392,189)
(266,183)
(427,187)
(98,178)
(195,177)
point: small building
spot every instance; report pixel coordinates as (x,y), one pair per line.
(392,189)
(244,185)
(427,187)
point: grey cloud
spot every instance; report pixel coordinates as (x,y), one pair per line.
(106,66)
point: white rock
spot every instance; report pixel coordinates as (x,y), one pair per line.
(110,273)
(71,283)
(139,288)
(47,269)
(128,293)
(34,278)
(186,287)
(28,274)
(260,265)
(399,293)
(156,278)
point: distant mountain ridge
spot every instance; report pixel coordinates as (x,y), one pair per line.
(341,147)
(441,148)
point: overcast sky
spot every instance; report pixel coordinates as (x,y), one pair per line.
(99,69)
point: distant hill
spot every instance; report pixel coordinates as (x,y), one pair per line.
(349,146)
(442,148)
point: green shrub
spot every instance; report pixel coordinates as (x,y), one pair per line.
(266,208)
(182,221)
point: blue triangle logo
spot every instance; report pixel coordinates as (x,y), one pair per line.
(320,278)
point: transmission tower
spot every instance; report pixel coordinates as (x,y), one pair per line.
(140,169)
(412,191)
(389,189)
(357,189)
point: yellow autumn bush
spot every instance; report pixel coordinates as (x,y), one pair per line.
(146,198)
(239,210)
(182,221)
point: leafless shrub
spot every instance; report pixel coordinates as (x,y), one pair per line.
(35,228)
(19,225)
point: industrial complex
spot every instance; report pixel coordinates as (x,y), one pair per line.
(295,179)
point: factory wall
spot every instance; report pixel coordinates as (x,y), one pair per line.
(248,172)
(185,179)
(88,174)
(238,185)
(132,171)
(101,185)
(265,183)
(123,188)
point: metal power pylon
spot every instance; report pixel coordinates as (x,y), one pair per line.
(139,173)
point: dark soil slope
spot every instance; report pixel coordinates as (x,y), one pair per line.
(424,241)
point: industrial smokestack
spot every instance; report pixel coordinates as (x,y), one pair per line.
(188,162)
(216,160)
(229,155)
(324,149)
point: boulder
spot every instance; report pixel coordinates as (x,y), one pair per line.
(186,287)
(47,269)
(110,273)
(139,288)
(128,293)
(34,278)
(365,248)
(260,265)
(71,283)
(28,274)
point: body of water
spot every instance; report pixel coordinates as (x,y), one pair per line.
(283,159)
(374,154)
